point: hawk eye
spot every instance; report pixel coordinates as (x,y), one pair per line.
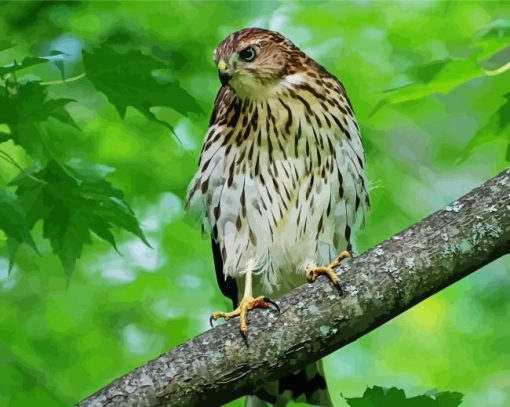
(248,54)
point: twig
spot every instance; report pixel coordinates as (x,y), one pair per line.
(60,82)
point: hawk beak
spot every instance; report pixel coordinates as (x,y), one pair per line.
(223,72)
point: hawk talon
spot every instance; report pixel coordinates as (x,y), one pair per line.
(246,305)
(339,289)
(265,299)
(313,272)
(245,338)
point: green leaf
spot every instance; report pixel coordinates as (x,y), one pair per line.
(380,397)
(5,136)
(102,229)
(25,63)
(117,212)
(91,179)
(6,44)
(12,248)
(493,38)
(426,73)
(497,127)
(68,231)
(438,77)
(72,200)
(55,56)
(499,28)
(126,79)
(24,112)
(13,220)
(62,115)
(448,398)
(488,57)
(90,172)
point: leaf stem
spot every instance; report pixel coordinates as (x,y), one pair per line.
(498,71)
(12,161)
(71,79)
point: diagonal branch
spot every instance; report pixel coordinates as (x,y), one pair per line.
(216,367)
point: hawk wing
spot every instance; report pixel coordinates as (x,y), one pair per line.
(228,286)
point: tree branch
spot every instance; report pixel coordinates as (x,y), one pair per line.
(216,366)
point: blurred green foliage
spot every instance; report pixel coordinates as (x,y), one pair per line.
(430,83)
(379,396)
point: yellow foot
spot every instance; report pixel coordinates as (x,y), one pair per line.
(313,272)
(246,305)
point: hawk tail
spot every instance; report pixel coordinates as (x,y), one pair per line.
(303,386)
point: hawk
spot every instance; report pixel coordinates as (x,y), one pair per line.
(280,184)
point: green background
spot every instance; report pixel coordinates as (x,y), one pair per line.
(427,86)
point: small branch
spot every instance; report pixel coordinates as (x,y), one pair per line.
(216,366)
(60,82)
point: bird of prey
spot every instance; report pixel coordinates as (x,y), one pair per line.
(280,184)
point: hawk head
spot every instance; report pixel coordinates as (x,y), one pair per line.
(256,62)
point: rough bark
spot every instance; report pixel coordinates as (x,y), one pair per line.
(216,366)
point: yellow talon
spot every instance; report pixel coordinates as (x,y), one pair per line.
(246,305)
(315,271)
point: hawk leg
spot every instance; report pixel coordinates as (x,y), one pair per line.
(247,304)
(312,272)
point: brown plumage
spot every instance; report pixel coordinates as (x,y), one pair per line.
(281,179)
